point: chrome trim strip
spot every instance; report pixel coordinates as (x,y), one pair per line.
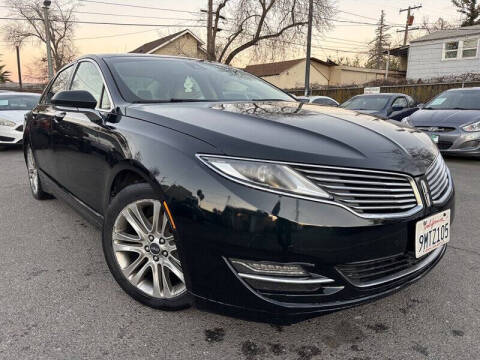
(408,213)
(422,264)
(411,201)
(406,189)
(285,280)
(361,182)
(315,172)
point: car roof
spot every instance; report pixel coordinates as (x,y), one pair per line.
(135,55)
(18,93)
(465,89)
(383,94)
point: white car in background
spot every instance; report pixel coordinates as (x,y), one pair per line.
(13,107)
(318,100)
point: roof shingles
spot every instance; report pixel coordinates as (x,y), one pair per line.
(277,68)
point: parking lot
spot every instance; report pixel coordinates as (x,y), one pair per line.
(59,301)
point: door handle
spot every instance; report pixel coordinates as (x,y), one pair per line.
(58,116)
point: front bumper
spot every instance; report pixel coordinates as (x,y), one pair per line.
(11,135)
(458,143)
(249,224)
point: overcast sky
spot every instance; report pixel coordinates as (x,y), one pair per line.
(90,40)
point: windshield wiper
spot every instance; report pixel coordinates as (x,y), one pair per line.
(173,100)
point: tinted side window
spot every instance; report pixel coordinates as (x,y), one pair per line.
(59,84)
(88,78)
(411,102)
(400,102)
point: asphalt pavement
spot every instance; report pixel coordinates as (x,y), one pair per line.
(59,301)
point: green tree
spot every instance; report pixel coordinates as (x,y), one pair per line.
(470,9)
(4,74)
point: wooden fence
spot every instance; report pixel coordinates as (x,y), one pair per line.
(420,92)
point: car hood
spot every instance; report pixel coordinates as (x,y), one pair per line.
(17,116)
(296,132)
(451,118)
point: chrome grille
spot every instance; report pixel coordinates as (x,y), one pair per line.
(439,182)
(369,193)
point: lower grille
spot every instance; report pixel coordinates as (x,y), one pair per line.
(6,139)
(444,145)
(435,128)
(380,271)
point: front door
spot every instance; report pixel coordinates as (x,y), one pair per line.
(42,122)
(82,143)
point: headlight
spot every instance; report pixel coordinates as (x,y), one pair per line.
(472,127)
(268,176)
(406,121)
(4,122)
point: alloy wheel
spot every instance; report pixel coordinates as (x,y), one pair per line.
(32,171)
(146,251)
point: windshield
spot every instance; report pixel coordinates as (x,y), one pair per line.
(150,79)
(375,102)
(458,99)
(18,102)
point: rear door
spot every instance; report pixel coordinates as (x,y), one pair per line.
(42,121)
(83,144)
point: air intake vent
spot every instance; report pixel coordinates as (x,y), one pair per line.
(381,271)
(439,182)
(367,192)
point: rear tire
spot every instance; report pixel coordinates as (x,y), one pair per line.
(139,245)
(33,177)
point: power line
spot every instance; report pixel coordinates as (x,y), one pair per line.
(116,35)
(124,15)
(139,6)
(103,23)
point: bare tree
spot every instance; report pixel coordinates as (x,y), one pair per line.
(440,24)
(61,29)
(269,23)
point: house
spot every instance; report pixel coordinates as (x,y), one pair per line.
(290,74)
(182,43)
(444,53)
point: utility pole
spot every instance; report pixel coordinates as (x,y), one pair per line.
(46,5)
(210,30)
(309,48)
(17,47)
(387,67)
(409,22)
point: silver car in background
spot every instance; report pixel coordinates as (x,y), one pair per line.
(318,100)
(452,119)
(13,107)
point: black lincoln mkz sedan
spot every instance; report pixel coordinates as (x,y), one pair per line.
(215,188)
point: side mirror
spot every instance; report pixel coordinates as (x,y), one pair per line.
(397,108)
(74,98)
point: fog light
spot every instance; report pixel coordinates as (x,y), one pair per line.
(267,268)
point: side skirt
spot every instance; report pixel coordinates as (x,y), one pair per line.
(52,187)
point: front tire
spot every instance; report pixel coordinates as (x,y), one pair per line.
(33,177)
(140,247)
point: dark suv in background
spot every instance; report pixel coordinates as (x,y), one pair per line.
(387,106)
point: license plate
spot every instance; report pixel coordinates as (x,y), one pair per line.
(432,232)
(434,138)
